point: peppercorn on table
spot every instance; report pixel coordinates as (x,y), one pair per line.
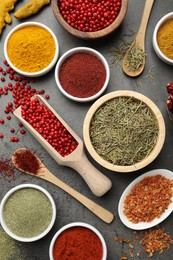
(122,242)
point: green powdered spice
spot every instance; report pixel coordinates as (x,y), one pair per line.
(9,249)
(123,131)
(28,212)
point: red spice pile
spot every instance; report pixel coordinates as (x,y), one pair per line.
(49,127)
(90,16)
(148,199)
(21,92)
(27,161)
(82,75)
(77,243)
(152,241)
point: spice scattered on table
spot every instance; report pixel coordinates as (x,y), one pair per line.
(118,51)
(31,48)
(78,243)
(135,58)
(30,8)
(90,16)
(165,38)
(7,170)
(28,212)
(152,241)
(123,131)
(148,199)
(26,161)
(21,90)
(82,75)
(49,127)
(9,248)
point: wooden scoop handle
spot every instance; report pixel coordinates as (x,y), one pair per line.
(99,211)
(97,181)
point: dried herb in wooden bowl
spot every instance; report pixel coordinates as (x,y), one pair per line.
(124,131)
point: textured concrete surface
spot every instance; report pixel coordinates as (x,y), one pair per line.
(68,209)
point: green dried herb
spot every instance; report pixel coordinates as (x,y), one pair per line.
(27,212)
(118,52)
(135,58)
(123,131)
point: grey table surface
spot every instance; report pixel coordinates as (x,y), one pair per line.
(68,209)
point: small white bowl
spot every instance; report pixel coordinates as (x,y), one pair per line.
(83,50)
(43,71)
(155,44)
(78,224)
(144,225)
(2,219)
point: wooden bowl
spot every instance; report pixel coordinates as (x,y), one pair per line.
(90,35)
(159,142)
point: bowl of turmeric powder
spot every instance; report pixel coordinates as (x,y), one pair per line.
(31,49)
(163,38)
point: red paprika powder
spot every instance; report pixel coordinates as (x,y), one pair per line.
(82,75)
(77,243)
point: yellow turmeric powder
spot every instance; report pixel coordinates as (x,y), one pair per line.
(30,8)
(31,49)
(165,38)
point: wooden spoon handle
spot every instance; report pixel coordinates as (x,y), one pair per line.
(99,211)
(144,21)
(97,181)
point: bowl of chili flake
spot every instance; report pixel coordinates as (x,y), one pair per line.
(90,19)
(80,240)
(124,131)
(82,74)
(148,200)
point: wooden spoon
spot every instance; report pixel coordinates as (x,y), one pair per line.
(45,174)
(139,40)
(97,182)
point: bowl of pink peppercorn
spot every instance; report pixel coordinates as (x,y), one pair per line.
(90,19)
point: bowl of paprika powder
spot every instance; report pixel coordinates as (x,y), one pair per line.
(82,74)
(81,240)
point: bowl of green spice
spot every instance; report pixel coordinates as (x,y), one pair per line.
(124,131)
(27,212)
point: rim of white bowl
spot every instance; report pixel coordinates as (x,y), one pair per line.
(155,44)
(87,50)
(41,72)
(2,220)
(78,224)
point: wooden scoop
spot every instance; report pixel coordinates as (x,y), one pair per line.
(45,174)
(97,182)
(139,41)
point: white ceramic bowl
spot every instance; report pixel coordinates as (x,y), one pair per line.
(2,219)
(43,71)
(78,50)
(155,44)
(78,224)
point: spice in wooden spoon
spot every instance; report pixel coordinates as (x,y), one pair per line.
(27,162)
(134,60)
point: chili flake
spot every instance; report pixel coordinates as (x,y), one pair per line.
(148,199)
(155,240)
